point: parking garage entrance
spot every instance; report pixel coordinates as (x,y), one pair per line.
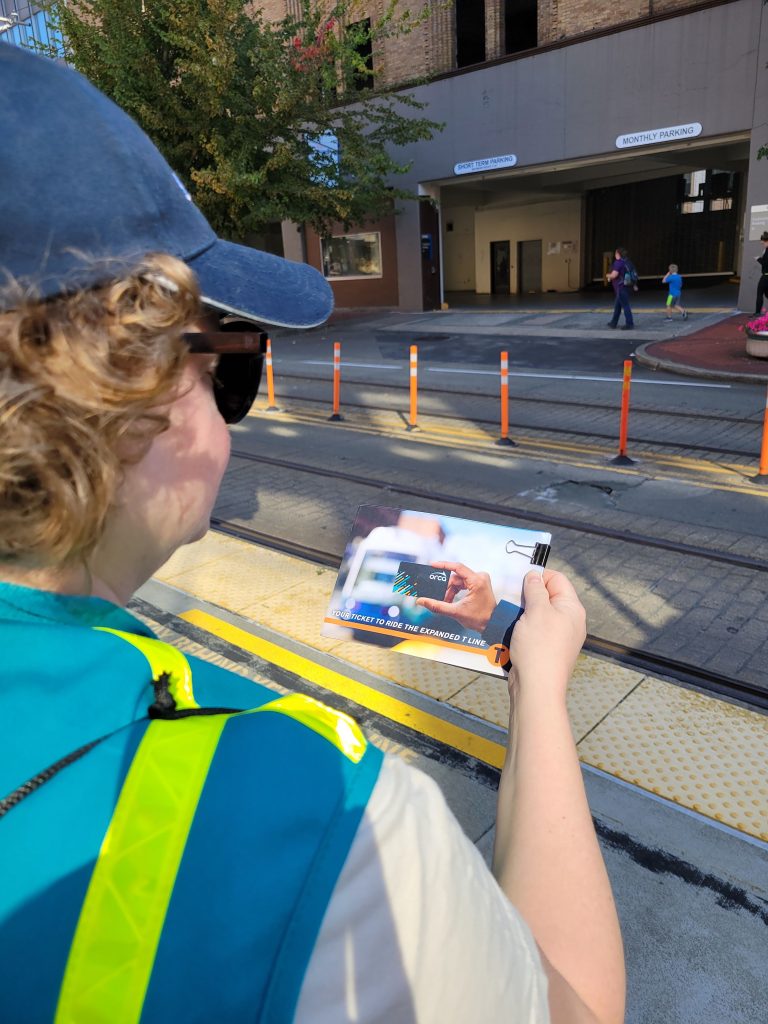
(552,229)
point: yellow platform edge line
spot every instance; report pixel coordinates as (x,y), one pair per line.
(428,725)
(389,707)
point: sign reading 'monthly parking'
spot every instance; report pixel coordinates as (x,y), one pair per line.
(655,135)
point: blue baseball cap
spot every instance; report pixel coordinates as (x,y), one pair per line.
(86,196)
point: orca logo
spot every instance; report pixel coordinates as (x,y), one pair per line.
(438,576)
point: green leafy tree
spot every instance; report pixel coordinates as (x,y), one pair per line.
(247,111)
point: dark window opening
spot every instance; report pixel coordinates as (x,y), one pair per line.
(707,191)
(521,25)
(362,76)
(470,32)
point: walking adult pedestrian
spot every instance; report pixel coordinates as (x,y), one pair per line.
(762,284)
(617,275)
(177,842)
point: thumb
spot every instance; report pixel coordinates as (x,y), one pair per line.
(437,607)
(534,591)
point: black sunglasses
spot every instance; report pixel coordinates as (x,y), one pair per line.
(240,345)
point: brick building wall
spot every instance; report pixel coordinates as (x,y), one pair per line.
(430,49)
(563,19)
(494,29)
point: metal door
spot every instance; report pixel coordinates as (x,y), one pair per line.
(529,266)
(500,268)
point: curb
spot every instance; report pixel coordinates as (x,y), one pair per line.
(686,370)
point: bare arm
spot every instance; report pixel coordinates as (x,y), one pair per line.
(546,857)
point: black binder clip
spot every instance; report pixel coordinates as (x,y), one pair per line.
(537,554)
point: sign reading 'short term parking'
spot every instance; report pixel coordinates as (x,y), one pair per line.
(490,163)
(677,131)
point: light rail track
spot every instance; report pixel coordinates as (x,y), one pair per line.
(688,675)
(506,512)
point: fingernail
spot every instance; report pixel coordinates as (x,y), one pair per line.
(534,577)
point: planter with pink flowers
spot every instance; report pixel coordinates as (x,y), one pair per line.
(757,337)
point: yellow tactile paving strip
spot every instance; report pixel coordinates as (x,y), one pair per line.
(702,753)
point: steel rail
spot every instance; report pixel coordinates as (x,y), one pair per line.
(510,512)
(692,676)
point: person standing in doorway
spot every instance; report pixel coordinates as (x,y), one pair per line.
(617,276)
(762,284)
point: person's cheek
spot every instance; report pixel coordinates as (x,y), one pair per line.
(219,448)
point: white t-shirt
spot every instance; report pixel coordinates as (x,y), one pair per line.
(417,929)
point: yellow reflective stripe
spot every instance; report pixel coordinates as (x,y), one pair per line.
(115,942)
(334,726)
(163,658)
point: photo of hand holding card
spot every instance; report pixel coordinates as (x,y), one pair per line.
(434,586)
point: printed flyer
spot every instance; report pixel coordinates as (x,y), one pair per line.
(434,586)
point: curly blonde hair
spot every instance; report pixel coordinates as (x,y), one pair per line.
(83,378)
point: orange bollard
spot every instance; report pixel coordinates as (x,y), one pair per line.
(762,473)
(414,387)
(335,415)
(622,459)
(271,407)
(504,438)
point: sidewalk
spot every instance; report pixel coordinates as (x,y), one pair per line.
(717,351)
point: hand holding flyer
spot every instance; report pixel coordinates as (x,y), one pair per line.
(549,635)
(434,586)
